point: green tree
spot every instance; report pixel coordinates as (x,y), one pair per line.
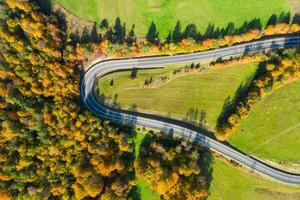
(176,35)
(104,24)
(152,35)
(131,38)
(191,32)
(175,168)
(119,31)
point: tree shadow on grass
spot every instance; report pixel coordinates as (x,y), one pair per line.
(135,193)
(196,117)
(45,6)
(296,19)
(205,162)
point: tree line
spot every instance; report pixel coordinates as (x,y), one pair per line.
(190,39)
(118,33)
(116,40)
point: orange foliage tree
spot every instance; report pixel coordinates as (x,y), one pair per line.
(175,168)
(50,146)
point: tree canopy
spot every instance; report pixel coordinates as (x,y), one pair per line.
(50,146)
(177,169)
(152,35)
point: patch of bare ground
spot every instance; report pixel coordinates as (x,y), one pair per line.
(295,5)
(155,5)
(278,195)
(75,24)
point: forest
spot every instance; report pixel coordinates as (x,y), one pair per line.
(51,146)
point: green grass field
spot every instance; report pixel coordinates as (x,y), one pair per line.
(206,91)
(272,128)
(231,183)
(165,13)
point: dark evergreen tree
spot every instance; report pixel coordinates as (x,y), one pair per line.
(177,36)
(146,82)
(284,18)
(272,20)
(150,80)
(209,32)
(243,28)
(110,35)
(169,37)
(230,29)
(133,73)
(191,32)
(131,38)
(152,35)
(85,36)
(119,31)
(104,24)
(95,37)
(256,24)
(111,83)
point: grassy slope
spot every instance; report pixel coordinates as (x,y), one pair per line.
(206,91)
(165,13)
(234,184)
(273,125)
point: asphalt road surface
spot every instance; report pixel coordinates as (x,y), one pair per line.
(92,102)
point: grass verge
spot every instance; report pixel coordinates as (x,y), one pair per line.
(232,183)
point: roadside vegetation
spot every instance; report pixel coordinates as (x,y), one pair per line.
(230,182)
(165,14)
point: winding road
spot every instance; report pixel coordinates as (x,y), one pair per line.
(98,70)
